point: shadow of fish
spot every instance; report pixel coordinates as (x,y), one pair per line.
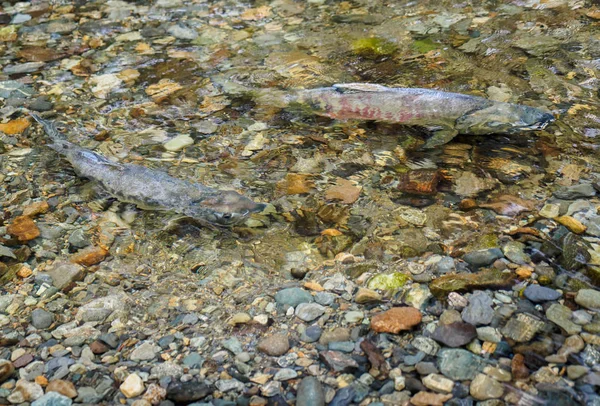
(154,190)
(445,114)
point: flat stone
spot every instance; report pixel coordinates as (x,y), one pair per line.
(550,210)
(514,250)
(275,345)
(165,369)
(338,361)
(228,385)
(455,334)
(325,298)
(479,311)
(561,316)
(538,294)
(489,334)
(53,399)
(188,392)
(285,374)
(65,388)
(395,320)
(522,328)
(483,388)
(233,344)
(311,334)
(6,370)
(438,383)
(25,391)
(459,364)
(145,352)
(310,392)
(588,298)
(64,274)
(425,344)
(293,297)
(364,296)
(309,311)
(423,398)
(575,191)
(478,259)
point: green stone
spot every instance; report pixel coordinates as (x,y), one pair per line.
(461,282)
(388,282)
(373,47)
(425,45)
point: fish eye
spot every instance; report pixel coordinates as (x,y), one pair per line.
(226,216)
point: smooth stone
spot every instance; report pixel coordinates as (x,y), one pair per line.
(325,298)
(145,352)
(353,317)
(309,311)
(65,388)
(65,273)
(561,316)
(588,298)
(293,297)
(227,385)
(455,334)
(364,296)
(41,319)
(193,360)
(483,388)
(478,259)
(343,346)
(425,344)
(522,328)
(285,374)
(550,210)
(182,32)
(310,392)
(6,370)
(489,334)
(187,392)
(233,344)
(459,364)
(537,293)
(575,191)
(132,386)
(581,317)
(438,383)
(514,251)
(275,345)
(311,334)
(178,143)
(338,361)
(395,320)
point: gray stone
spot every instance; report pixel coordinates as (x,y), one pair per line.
(233,344)
(343,346)
(79,239)
(311,334)
(53,399)
(426,345)
(65,273)
(145,352)
(454,334)
(481,258)
(537,293)
(13,88)
(479,311)
(27,67)
(41,319)
(581,317)
(588,298)
(285,374)
(309,311)
(459,364)
(522,328)
(193,360)
(182,32)
(325,298)
(227,385)
(575,191)
(561,316)
(338,361)
(168,368)
(489,334)
(293,297)
(483,387)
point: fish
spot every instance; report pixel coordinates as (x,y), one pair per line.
(445,114)
(152,189)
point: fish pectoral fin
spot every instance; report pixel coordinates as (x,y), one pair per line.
(439,137)
(359,87)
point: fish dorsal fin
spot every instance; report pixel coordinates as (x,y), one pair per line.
(359,87)
(99,159)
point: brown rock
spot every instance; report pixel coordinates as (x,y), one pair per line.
(16,126)
(89,256)
(572,224)
(23,360)
(429,399)
(6,370)
(36,208)
(275,345)
(98,347)
(395,320)
(467,204)
(376,359)
(365,295)
(23,228)
(65,388)
(419,181)
(155,394)
(518,368)
(39,54)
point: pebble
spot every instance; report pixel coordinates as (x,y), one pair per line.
(395,320)
(455,334)
(483,388)
(423,398)
(41,319)
(144,352)
(575,191)
(53,399)
(459,364)
(588,298)
(275,345)
(489,334)
(178,143)
(479,311)
(311,334)
(285,374)
(63,274)
(514,250)
(293,297)
(309,311)
(561,316)
(537,293)
(6,370)
(25,391)
(338,361)
(310,392)
(65,388)
(522,328)
(478,259)
(180,31)
(438,383)
(353,317)
(364,296)
(188,392)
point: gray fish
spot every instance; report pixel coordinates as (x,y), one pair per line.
(154,190)
(445,114)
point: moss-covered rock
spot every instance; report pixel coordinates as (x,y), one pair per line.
(373,47)
(388,282)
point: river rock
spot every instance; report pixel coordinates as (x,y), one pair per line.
(395,320)
(575,191)
(275,345)
(561,316)
(293,297)
(65,388)
(479,311)
(41,318)
(309,311)
(459,364)
(483,387)
(53,399)
(588,298)
(310,392)
(455,334)
(537,293)
(188,392)
(6,369)
(480,258)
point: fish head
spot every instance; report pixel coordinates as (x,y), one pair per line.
(223,208)
(504,118)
